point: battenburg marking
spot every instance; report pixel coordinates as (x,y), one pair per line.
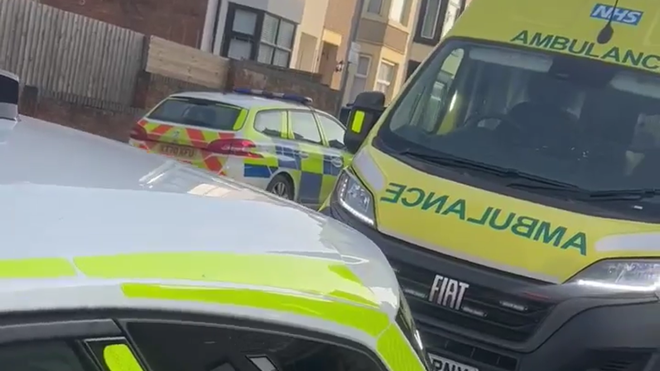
(496,219)
(584,48)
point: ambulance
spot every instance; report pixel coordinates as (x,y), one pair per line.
(514,185)
(114,259)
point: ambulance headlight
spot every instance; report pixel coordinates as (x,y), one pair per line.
(353,197)
(641,275)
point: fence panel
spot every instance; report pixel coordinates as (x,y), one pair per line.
(69,54)
(187,64)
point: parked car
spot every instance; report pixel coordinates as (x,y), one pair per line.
(275,142)
(119,260)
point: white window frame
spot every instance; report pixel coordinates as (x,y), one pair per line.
(388,84)
(401,16)
(373,11)
(436,18)
(452,13)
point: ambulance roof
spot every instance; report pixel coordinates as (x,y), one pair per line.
(569,27)
(81,212)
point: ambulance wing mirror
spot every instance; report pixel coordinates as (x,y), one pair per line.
(365,112)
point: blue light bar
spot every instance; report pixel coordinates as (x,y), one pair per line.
(267,94)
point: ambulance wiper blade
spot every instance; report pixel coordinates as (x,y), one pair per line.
(522,180)
(623,194)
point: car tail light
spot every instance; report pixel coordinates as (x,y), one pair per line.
(234,147)
(138,132)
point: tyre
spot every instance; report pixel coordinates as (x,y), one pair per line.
(282,186)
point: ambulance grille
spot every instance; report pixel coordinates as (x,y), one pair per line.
(484,310)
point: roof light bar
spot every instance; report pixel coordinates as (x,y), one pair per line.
(271,95)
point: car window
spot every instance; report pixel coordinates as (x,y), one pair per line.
(197,112)
(189,347)
(304,127)
(269,123)
(114,356)
(43,356)
(334,132)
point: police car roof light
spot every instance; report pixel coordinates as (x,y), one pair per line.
(271,95)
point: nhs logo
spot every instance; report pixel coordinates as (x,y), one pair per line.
(621,15)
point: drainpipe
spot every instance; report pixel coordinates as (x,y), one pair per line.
(355,24)
(209,25)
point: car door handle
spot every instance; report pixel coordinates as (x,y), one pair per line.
(304,154)
(337,162)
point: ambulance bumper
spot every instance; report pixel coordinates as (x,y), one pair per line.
(578,334)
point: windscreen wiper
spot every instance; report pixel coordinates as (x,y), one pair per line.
(624,194)
(522,179)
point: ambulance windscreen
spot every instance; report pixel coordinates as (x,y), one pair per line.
(568,119)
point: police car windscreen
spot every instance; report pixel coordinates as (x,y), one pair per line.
(197,112)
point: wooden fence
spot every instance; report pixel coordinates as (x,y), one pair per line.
(187,64)
(66,53)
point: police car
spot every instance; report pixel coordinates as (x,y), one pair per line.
(272,141)
(118,260)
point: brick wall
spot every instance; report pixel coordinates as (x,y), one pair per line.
(110,123)
(180,21)
(258,76)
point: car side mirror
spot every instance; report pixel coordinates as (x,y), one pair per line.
(365,112)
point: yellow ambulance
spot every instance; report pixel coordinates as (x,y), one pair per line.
(514,185)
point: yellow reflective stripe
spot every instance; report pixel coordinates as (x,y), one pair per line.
(394,348)
(36,268)
(240,120)
(325,276)
(313,162)
(371,321)
(118,357)
(358,120)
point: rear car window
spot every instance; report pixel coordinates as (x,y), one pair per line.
(190,347)
(197,112)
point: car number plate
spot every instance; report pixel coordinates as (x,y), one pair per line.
(444,364)
(176,151)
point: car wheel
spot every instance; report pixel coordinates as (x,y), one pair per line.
(282,186)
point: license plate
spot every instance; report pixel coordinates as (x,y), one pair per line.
(444,364)
(176,151)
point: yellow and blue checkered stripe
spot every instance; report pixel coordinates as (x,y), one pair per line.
(314,175)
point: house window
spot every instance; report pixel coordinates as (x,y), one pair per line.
(453,10)
(374,6)
(430,15)
(436,18)
(243,31)
(256,35)
(277,38)
(385,77)
(398,11)
(360,78)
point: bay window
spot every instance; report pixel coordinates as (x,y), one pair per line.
(254,34)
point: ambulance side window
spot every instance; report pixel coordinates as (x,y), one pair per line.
(190,347)
(434,99)
(270,123)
